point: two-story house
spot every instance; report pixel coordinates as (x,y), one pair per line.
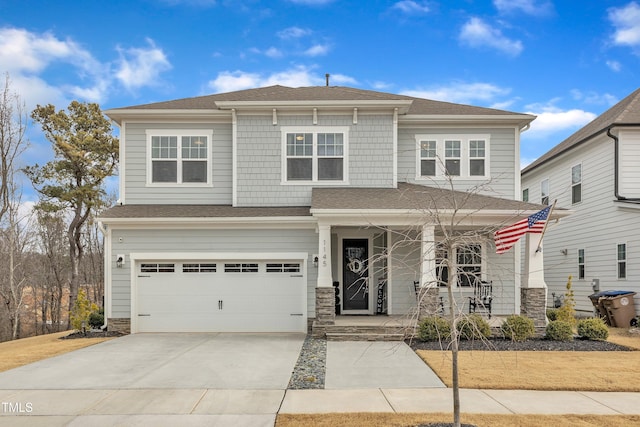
(249,210)
(596,173)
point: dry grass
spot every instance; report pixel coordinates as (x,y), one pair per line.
(28,350)
(481,420)
(545,370)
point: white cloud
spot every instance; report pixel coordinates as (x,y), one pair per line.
(411,7)
(460,92)
(317,50)
(529,7)
(552,119)
(273,52)
(228,81)
(614,65)
(138,67)
(594,98)
(626,21)
(477,33)
(293,33)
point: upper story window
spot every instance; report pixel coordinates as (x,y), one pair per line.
(576,184)
(179,157)
(544,192)
(525,195)
(581,264)
(441,156)
(315,154)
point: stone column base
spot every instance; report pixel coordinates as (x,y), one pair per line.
(428,302)
(533,304)
(325,305)
(119,325)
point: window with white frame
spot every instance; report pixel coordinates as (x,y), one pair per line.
(544,192)
(622,260)
(469,264)
(179,157)
(455,156)
(576,184)
(314,154)
(581,264)
(525,195)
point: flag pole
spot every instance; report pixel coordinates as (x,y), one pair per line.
(539,248)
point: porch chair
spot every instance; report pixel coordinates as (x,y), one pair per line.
(482,297)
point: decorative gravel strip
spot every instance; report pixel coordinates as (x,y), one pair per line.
(310,368)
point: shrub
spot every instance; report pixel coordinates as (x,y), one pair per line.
(593,329)
(559,330)
(552,314)
(473,327)
(81,310)
(434,329)
(567,312)
(96,320)
(518,328)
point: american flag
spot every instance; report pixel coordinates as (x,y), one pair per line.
(507,237)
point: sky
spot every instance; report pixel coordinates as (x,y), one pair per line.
(564,61)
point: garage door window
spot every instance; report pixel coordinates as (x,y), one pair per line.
(283,268)
(241,268)
(157,268)
(199,268)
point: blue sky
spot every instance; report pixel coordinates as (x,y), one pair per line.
(563,63)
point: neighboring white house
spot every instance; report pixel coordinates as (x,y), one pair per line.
(596,173)
(241,211)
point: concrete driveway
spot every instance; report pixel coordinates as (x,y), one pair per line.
(155,379)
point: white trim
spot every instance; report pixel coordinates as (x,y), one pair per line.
(122,166)
(136,257)
(395,149)
(108,291)
(517,180)
(571,184)
(178,133)
(234,158)
(315,130)
(389,272)
(540,189)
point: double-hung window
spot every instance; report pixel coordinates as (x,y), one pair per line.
(525,195)
(469,264)
(315,155)
(576,184)
(544,192)
(452,156)
(581,264)
(622,260)
(179,157)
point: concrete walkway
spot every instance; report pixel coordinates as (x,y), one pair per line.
(241,380)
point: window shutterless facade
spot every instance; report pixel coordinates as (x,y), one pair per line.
(525,195)
(622,260)
(455,156)
(544,192)
(576,184)
(315,155)
(179,158)
(581,264)
(469,263)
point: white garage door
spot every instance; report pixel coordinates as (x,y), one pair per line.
(220,296)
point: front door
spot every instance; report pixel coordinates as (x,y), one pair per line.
(355,274)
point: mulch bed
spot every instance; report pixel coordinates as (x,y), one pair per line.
(92,334)
(536,344)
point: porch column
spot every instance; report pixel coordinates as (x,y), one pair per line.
(533,293)
(325,292)
(427,293)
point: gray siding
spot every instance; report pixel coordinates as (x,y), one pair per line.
(597,225)
(202,240)
(259,156)
(502,158)
(135,152)
(405,269)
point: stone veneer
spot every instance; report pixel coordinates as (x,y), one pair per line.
(325,305)
(428,304)
(119,325)
(533,304)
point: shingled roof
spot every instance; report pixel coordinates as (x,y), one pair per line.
(624,112)
(200,211)
(412,196)
(277,93)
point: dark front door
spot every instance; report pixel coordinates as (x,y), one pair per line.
(355,274)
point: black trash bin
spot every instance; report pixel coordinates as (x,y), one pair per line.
(616,306)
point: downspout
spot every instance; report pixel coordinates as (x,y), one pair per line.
(616,163)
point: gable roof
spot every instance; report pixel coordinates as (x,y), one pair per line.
(624,112)
(284,94)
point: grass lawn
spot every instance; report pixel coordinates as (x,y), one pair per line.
(28,350)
